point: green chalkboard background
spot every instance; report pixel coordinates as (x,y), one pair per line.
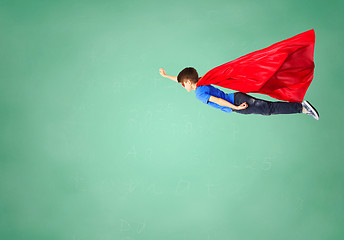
(97,145)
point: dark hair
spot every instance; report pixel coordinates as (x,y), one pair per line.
(188,73)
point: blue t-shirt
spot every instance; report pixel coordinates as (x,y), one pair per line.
(204,92)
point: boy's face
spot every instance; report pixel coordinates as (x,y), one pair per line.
(188,85)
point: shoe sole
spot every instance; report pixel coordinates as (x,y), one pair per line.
(313,108)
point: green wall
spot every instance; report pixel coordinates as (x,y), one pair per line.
(96,145)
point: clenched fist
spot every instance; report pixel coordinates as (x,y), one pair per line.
(162,72)
(242,106)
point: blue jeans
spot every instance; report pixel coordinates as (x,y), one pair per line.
(263,107)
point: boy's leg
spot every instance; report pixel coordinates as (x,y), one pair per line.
(263,107)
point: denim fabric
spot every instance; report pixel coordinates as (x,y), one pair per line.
(263,107)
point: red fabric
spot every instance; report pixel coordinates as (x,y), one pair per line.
(283,70)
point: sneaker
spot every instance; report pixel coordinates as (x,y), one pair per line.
(311,110)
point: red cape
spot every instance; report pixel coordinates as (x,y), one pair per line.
(283,70)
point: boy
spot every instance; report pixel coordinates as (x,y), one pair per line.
(237,102)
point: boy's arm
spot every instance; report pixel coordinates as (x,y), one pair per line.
(223,102)
(174,78)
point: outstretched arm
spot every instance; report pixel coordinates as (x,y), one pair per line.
(162,72)
(225,103)
(174,78)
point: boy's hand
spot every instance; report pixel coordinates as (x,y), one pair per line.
(242,106)
(162,72)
